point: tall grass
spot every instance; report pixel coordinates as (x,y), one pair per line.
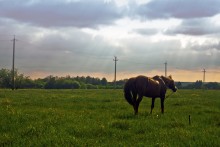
(104,118)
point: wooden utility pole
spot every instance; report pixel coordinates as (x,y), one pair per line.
(204,71)
(165,68)
(115,59)
(13,65)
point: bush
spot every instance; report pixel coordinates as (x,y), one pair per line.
(90,86)
(66,84)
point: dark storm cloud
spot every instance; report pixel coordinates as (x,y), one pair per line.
(89,13)
(183,9)
(92,13)
(195,27)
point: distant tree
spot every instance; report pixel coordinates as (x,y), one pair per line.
(21,81)
(80,79)
(104,82)
(24,82)
(50,84)
(5,78)
(88,80)
(39,83)
(121,83)
(198,84)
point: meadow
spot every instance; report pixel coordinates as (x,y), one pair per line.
(104,118)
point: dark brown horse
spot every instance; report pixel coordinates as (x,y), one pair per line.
(150,87)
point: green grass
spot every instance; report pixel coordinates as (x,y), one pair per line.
(104,118)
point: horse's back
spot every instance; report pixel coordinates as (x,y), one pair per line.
(141,84)
(147,86)
(141,81)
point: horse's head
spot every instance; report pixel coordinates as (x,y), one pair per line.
(169,83)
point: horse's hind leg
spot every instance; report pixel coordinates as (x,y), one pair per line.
(162,104)
(137,103)
(135,108)
(152,105)
(134,101)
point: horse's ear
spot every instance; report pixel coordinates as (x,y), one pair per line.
(170,76)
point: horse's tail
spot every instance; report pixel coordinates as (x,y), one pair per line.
(127,92)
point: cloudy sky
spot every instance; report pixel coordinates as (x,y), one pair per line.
(81,37)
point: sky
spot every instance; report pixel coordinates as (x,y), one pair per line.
(82,37)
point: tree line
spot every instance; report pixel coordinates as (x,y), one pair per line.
(199,85)
(54,82)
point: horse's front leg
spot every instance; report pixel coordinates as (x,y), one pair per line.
(152,105)
(162,104)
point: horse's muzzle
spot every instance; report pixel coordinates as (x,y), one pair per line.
(174,89)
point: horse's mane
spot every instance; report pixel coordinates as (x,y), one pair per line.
(167,80)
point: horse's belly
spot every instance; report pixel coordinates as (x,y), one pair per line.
(152,95)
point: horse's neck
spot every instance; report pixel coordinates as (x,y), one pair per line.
(162,82)
(159,79)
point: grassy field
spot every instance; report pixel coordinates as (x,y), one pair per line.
(104,118)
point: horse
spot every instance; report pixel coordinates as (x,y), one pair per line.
(149,87)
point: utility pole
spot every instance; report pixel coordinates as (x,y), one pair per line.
(165,68)
(13,65)
(115,59)
(204,71)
